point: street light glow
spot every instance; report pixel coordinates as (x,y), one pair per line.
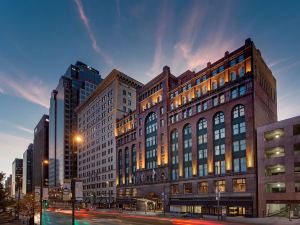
(78,139)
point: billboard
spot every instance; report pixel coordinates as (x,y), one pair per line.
(78,191)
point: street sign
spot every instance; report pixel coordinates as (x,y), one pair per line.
(78,191)
(37,193)
(45,193)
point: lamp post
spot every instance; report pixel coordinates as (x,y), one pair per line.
(44,162)
(76,139)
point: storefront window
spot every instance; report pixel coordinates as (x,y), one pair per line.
(220,186)
(175,189)
(188,188)
(203,187)
(239,185)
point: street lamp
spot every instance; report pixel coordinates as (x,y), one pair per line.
(76,139)
(44,162)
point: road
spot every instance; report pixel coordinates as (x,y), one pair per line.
(115,218)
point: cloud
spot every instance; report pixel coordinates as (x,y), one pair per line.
(160,34)
(30,131)
(196,45)
(1,91)
(28,88)
(278,61)
(13,146)
(287,67)
(90,32)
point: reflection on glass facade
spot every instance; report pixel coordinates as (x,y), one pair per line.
(63,120)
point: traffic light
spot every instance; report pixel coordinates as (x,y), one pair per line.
(45,204)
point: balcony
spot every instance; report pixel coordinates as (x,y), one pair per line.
(274,152)
(275,170)
(274,134)
(277,187)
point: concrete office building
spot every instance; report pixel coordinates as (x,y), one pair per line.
(74,86)
(17,174)
(27,170)
(278,167)
(195,136)
(97,116)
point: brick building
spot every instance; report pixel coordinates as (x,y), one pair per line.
(194,135)
(278,167)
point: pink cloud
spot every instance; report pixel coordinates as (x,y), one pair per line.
(90,32)
(189,51)
(26,87)
(160,34)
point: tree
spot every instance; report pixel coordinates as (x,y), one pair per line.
(28,207)
(2,192)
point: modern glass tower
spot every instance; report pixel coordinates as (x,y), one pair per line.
(27,170)
(74,86)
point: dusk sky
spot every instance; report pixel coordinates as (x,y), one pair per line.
(40,39)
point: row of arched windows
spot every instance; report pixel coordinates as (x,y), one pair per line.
(238,145)
(127,165)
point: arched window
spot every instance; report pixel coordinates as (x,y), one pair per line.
(202,147)
(120,167)
(187,150)
(219,143)
(174,154)
(151,140)
(126,166)
(239,139)
(133,161)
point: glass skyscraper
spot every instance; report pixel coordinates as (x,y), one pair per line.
(74,87)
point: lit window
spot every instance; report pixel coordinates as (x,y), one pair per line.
(234,93)
(232,62)
(204,90)
(222,98)
(205,105)
(220,186)
(215,101)
(242,90)
(188,188)
(232,75)
(214,85)
(221,81)
(239,185)
(203,187)
(214,72)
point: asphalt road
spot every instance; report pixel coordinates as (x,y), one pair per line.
(54,218)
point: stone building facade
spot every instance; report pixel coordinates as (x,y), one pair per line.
(194,135)
(113,98)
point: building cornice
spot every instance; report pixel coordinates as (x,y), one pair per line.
(112,76)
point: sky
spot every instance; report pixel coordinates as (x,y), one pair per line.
(40,39)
